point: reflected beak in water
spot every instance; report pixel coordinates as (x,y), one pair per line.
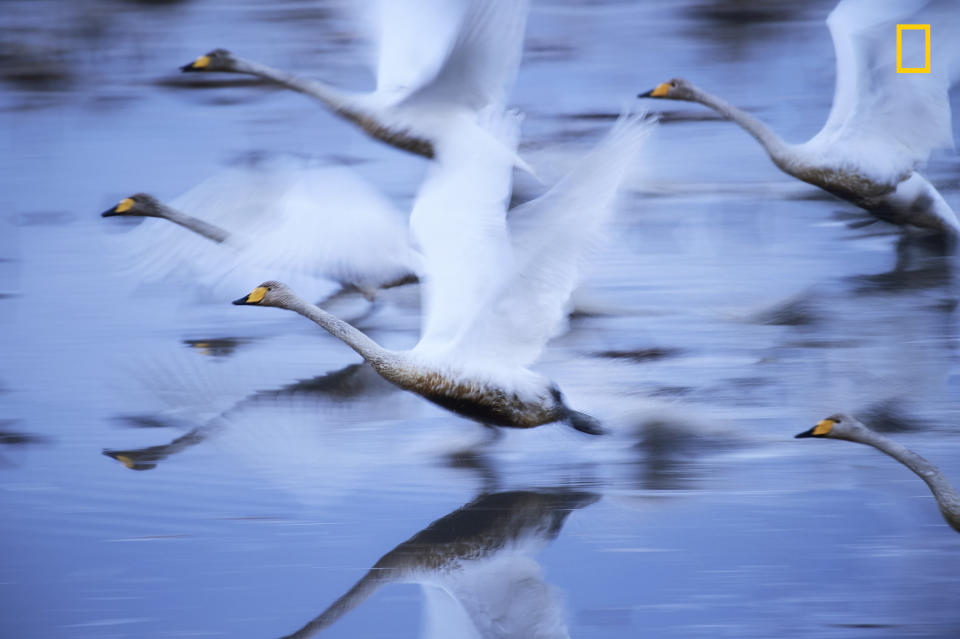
(200,64)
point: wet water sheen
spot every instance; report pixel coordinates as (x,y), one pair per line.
(174,466)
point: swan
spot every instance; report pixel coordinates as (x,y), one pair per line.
(476,568)
(845,427)
(321,222)
(493,293)
(438,61)
(882,124)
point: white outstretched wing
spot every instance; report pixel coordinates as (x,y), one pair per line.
(550,237)
(482,63)
(459,225)
(413,38)
(886,120)
(231,199)
(330,223)
(287,219)
(505,596)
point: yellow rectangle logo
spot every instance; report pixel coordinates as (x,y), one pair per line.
(926,46)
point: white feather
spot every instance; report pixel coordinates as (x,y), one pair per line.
(495,292)
(885,123)
(286,218)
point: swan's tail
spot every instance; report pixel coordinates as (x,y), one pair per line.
(585,424)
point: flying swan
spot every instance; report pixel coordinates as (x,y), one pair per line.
(494,291)
(882,125)
(440,62)
(281,215)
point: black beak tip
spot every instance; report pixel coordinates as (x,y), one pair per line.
(645,95)
(240,302)
(188,67)
(803,435)
(109,213)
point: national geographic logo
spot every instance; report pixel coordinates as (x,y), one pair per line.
(926,48)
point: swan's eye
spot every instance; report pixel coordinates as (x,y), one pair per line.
(673,84)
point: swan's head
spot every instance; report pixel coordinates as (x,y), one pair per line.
(837,426)
(139,205)
(675,89)
(268,294)
(216,60)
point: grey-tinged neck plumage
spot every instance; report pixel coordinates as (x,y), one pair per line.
(378,356)
(480,529)
(943,492)
(348,105)
(776,148)
(330,96)
(360,592)
(206,229)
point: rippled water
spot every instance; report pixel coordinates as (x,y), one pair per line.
(174,466)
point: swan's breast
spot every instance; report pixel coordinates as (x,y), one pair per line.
(483,401)
(849,185)
(392,135)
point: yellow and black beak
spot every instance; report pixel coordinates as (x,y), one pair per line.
(200,64)
(658,92)
(130,460)
(255,297)
(822,429)
(125,205)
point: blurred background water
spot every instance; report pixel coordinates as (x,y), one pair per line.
(735,308)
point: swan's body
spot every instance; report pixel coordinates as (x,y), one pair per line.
(523,401)
(882,125)
(439,62)
(493,293)
(321,222)
(476,568)
(850,429)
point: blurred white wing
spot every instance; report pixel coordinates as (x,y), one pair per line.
(890,120)
(550,237)
(414,37)
(505,596)
(328,222)
(231,199)
(286,220)
(482,64)
(459,225)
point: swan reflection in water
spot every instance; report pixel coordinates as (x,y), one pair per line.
(476,568)
(356,382)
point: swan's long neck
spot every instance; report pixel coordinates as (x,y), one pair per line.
(348,105)
(947,498)
(209,231)
(334,98)
(776,148)
(366,347)
(361,591)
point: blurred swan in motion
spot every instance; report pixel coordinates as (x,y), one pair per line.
(882,125)
(320,222)
(476,568)
(439,62)
(845,427)
(493,292)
